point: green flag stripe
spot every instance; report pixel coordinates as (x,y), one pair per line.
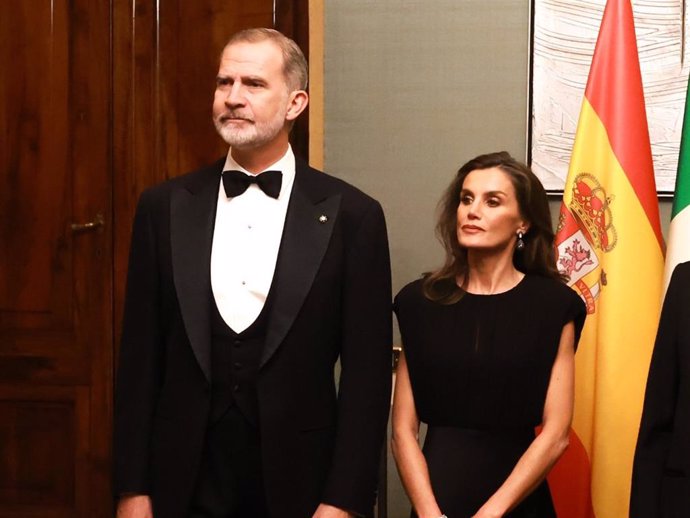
(681,198)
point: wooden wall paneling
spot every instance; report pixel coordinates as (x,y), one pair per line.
(55,288)
(193,35)
(32,212)
(292,19)
(44,464)
(135,129)
(91,167)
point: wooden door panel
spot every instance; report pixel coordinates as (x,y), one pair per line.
(55,283)
(35,269)
(44,447)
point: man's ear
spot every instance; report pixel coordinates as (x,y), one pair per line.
(297,102)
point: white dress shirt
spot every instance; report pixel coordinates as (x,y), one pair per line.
(246,241)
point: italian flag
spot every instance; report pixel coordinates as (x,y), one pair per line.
(610,244)
(678,249)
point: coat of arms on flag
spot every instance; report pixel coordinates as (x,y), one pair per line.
(585,230)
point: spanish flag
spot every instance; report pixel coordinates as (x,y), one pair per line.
(610,244)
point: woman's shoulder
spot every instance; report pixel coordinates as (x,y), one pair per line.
(549,286)
(559,300)
(553,291)
(409,301)
(411,292)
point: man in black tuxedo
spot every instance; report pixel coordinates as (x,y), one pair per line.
(661,469)
(247,280)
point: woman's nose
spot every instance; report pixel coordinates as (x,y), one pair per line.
(473,210)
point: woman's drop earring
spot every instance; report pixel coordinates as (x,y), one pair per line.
(520,242)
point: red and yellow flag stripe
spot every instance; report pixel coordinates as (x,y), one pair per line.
(609,241)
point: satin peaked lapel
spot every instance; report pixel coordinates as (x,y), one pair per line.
(192,217)
(305,240)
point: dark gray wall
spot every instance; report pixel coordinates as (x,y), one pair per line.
(412,89)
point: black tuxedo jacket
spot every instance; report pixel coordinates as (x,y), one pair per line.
(661,470)
(332,300)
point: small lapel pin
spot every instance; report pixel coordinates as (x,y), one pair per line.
(323,218)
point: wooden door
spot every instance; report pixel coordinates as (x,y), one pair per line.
(55,280)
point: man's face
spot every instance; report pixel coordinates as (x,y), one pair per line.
(252,96)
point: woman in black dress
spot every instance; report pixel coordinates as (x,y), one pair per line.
(489,342)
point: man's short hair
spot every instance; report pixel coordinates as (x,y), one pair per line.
(295,67)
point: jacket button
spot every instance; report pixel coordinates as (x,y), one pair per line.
(237,365)
(238,342)
(237,388)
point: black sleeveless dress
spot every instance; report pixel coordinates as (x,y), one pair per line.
(479,371)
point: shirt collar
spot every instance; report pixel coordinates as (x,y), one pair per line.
(285,164)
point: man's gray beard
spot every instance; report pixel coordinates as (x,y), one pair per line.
(254,136)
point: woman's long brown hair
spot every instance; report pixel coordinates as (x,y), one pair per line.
(538,255)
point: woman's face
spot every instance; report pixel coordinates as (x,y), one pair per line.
(488,216)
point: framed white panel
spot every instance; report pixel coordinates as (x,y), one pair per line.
(564,35)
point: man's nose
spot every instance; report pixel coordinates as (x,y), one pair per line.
(235,95)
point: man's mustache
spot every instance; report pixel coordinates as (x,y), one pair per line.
(233,115)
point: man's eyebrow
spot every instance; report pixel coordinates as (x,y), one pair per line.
(254,79)
(251,78)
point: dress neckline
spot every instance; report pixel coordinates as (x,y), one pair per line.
(500,293)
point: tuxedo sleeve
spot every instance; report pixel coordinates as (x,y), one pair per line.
(365,380)
(657,424)
(140,363)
